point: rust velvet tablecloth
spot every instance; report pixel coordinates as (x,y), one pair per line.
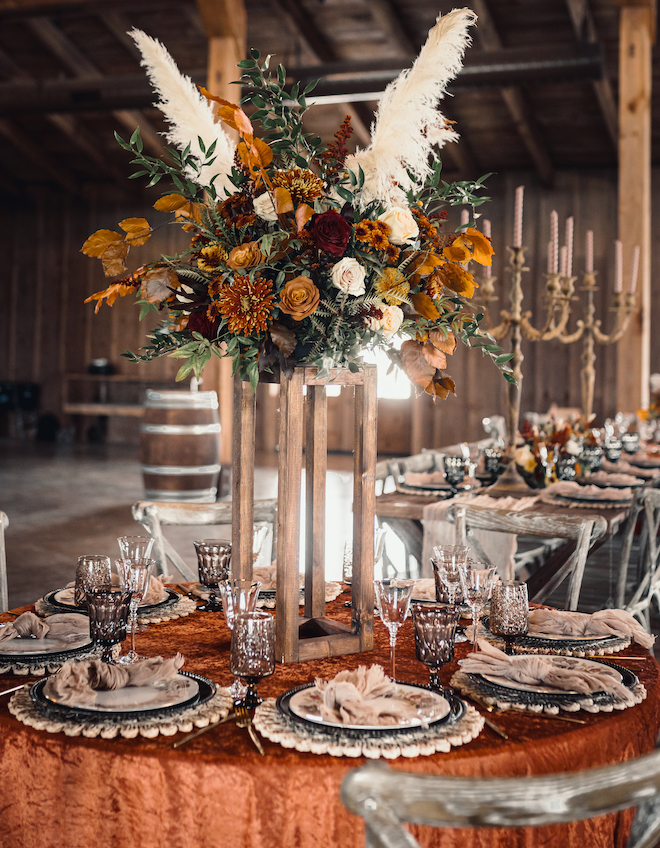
(217,791)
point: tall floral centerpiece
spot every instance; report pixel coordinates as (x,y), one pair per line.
(301,258)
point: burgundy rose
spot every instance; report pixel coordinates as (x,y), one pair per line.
(330,232)
(205,326)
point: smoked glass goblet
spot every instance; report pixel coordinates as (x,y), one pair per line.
(509,611)
(238,596)
(108,613)
(478,585)
(252,653)
(454,472)
(92,572)
(393,598)
(435,632)
(134,575)
(213,562)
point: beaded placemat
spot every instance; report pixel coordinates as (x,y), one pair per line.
(48,663)
(172,609)
(566,647)
(413,742)
(110,726)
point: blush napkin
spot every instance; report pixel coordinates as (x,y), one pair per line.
(78,683)
(570,489)
(67,625)
(566,673)
(607,622)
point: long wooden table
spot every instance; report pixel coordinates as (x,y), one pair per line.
(61,792)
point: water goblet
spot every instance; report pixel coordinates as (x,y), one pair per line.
(135,547)
(92,572)
(134,575)
(478,585)
(509,611)
(452,553)
(435,634)
(108,610)
(252,653)
(213,561)
(613,447)
(630,442)
(238,595)
(450,585)
(590,459)
(393,598)
(492,462)
(454,472)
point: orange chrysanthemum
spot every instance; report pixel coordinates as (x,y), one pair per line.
(373,233)
(247,304)
(237,210)
(392,254)
(212,257)
(426,229)
(215,286)
(303,185)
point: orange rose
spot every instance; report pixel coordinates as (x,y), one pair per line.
(299,298)
(244,256)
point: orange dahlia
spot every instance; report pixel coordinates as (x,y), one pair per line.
(247,304)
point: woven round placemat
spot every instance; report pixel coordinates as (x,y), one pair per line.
(559,647)
(416,742)
(48,664)
(110,726)
(178,607)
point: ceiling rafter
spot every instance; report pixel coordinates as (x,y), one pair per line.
(526,123)
(72,58)
(585,30)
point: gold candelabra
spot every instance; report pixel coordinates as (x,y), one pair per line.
(517,324)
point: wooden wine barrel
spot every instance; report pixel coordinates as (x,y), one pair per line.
(180,446)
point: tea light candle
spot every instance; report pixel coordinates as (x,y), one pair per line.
(553,259)
(635,270)
(518,217)
(590,252)
(618,267)
(569,246)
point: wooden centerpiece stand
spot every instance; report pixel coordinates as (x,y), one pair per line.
(312,635)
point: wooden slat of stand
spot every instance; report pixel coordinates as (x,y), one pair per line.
(242,525)
(316,463)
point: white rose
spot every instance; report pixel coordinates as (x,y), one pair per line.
(263,206)
(348,275)
(572,447)
(391,320)
(403,227)
(525,458)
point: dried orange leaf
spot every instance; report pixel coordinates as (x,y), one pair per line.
(424,262)
(455,278)
(264,151)
(283,338)
(303,213)
(441,386)
(170,203)
(457,251)
(482,248)
(113,258)
(434,356)
(98,242)
(437,338)
(110,294)
(415,364)
(230,113)
(282,200)
(137,229)
(425,306)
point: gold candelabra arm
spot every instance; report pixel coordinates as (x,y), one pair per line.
(502,329)
(558,295)
(624,308)
(575,336)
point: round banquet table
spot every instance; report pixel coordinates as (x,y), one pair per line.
(73,792)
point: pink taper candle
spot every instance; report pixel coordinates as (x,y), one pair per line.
(569,246)
(590,252)
(635,270)
(517,219)
(564,261)
(553,264)
(618,267)
(465,217)
(486,232)
(550,248)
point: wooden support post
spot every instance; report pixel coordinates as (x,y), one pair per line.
(634,349)
(242,521)
(316,465)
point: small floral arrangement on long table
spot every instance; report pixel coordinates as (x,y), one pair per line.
(301,253)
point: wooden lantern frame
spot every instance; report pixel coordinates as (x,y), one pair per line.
(313,635)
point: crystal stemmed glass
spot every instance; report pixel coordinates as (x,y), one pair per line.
(435,632)
(213,561)
(135,547)
(509,611)
(393,599)
(108,613)
(252,653)
(452,553)
(450,585)
(134,575)
(238,595)
(454,472)
(478,584)
(92,572)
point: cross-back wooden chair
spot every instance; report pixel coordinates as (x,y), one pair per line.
(4,590)
(648,588)
(584,532)
(385,799)
(152,516)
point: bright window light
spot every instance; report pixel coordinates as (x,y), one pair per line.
(392,386)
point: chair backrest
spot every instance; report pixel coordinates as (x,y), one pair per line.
(648,588)
(387,798)
(153,515)
(4,591)
(525,522)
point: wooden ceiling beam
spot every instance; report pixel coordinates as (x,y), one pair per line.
(516,102)
(84,69)
(33,153)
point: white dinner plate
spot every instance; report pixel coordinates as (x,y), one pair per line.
(16,647)
(431,706)
(137,698)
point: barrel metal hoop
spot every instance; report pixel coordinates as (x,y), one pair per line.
(196,495)
(180,470)
(180,400)
(181,429)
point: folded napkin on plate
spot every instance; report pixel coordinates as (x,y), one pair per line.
(650,460)
(609,478)
(425,478)
(627,468)
(67,626)
(78,683)
(567,673)
(607,622)
(364,696)
(267,576)
(424,589)
(570,489)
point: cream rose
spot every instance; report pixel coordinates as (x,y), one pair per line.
(403,227)
(391,320)
(348,275)
(263,206)
(525,458)
(572,447)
